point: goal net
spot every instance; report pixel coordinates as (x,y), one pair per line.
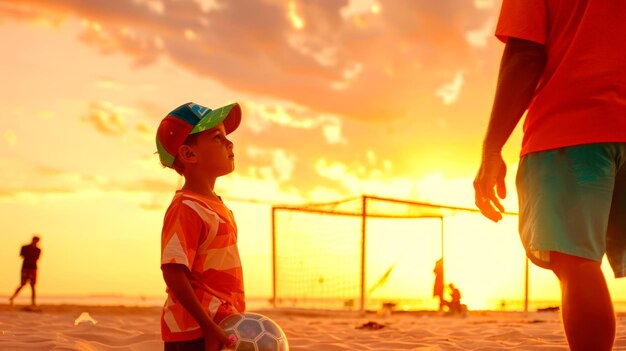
(357,254)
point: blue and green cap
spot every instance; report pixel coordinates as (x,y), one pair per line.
(191,118)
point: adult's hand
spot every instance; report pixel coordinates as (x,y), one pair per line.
(490,178)
(521,68)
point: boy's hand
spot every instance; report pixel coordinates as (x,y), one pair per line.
(490,175)
(214,338)
(232,342)
(175,276)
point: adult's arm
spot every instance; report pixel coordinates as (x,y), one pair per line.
(521,67)
(175,276)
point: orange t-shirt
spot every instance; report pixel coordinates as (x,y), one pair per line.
(201,234)
(581,96)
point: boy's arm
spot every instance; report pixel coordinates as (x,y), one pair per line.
(175,276)
(521,68)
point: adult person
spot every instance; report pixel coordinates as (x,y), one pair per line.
(564,63)
(30,254)
(438,286)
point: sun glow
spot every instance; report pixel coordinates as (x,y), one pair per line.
(375,8)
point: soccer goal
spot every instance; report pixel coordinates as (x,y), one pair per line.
(357,254)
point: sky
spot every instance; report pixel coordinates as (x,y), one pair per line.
(340,98)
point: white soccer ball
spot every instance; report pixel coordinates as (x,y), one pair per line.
(254,332)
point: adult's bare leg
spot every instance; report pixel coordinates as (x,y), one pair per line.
(586,306)
(17,291)
(33,296)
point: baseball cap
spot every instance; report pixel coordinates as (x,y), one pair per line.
(191,118)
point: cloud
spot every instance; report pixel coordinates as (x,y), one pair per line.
(402,73)
(360,7)
(38,181)
(146,132)
(326,55)
(105,118)
(431,188)
(20,181)
(283,164)
(109,83)
(245,187)
(30,194)
(291,116)
(332,133)
(450,92)
(401,149)
(361,179)
(154,205)
(25,12)
(142,185)
(261,118)
(279,164)
(480,37)
(484,4)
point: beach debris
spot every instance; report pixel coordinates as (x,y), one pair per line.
(371,326)
(85,318)
(387,309)
(349,304)
(549,309)
(533,321)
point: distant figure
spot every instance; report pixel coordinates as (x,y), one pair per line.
(30,254)
(564,67)
(438,286)
(454,305)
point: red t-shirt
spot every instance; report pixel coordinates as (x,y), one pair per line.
(201,234)
(581,96)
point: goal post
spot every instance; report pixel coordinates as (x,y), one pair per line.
(345,255)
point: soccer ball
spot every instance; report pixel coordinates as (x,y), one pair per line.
(254,332)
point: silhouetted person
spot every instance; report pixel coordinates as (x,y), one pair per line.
(455,303)
(438,286)
(30,254)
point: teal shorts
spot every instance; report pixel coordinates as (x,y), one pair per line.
(573,200)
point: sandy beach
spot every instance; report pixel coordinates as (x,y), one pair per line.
(89,328)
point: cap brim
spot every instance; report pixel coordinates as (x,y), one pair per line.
(230,115)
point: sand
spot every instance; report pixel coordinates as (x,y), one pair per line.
(87,328)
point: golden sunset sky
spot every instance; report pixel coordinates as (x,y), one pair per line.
(340,98)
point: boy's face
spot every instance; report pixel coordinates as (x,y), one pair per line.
(214,152)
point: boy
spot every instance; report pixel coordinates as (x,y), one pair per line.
(199,257)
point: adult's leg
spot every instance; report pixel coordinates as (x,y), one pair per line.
(17,291)
(33,295)
(565,198)
(586,307)
(616,231)
(441,303)
(23,281)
